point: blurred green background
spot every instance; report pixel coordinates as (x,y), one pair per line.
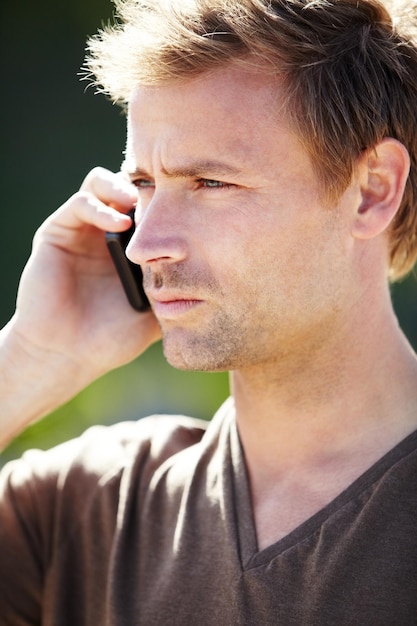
(53,131)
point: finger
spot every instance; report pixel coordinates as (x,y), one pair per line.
(84,208)
(110,188)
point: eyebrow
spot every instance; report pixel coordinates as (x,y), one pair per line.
(189,170)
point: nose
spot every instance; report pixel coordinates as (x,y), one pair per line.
(159,234)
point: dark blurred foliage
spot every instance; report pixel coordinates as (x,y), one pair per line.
(53,131)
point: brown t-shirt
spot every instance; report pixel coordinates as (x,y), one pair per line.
(150,523)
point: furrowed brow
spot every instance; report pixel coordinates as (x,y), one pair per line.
(195,169)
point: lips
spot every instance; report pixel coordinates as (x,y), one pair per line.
(172,305)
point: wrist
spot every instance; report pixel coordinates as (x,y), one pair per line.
(33,381)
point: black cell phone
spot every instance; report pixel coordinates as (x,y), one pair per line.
(130,274)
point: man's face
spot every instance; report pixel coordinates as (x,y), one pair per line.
(243,264)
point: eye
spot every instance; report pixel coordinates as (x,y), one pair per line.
(209,183)
(143,183)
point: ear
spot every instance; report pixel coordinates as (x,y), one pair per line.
(382,172)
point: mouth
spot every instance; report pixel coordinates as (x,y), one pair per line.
(172,306)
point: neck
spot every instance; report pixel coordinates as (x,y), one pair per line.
(310,424)
(356,391)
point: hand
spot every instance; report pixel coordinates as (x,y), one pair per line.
(70,300)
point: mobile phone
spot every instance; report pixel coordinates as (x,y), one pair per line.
(130,274)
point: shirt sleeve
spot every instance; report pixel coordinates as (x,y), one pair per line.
(26,508)
(46,497)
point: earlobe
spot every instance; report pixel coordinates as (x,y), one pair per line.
(382,173)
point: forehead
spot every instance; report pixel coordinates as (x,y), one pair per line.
(230,109)
(226,83)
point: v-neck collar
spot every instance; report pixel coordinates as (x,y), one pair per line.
(250,556)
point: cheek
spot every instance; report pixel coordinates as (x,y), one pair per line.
(299,262)
(268,250)
(241,253)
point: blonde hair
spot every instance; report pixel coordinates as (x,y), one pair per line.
(350,70)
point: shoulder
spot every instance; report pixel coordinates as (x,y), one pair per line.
(104,449)
(96,459)
(62,505)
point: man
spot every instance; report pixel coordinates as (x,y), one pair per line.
(271,154)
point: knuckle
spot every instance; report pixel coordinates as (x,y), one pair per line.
(80,201)
(82,197)
(95,175)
